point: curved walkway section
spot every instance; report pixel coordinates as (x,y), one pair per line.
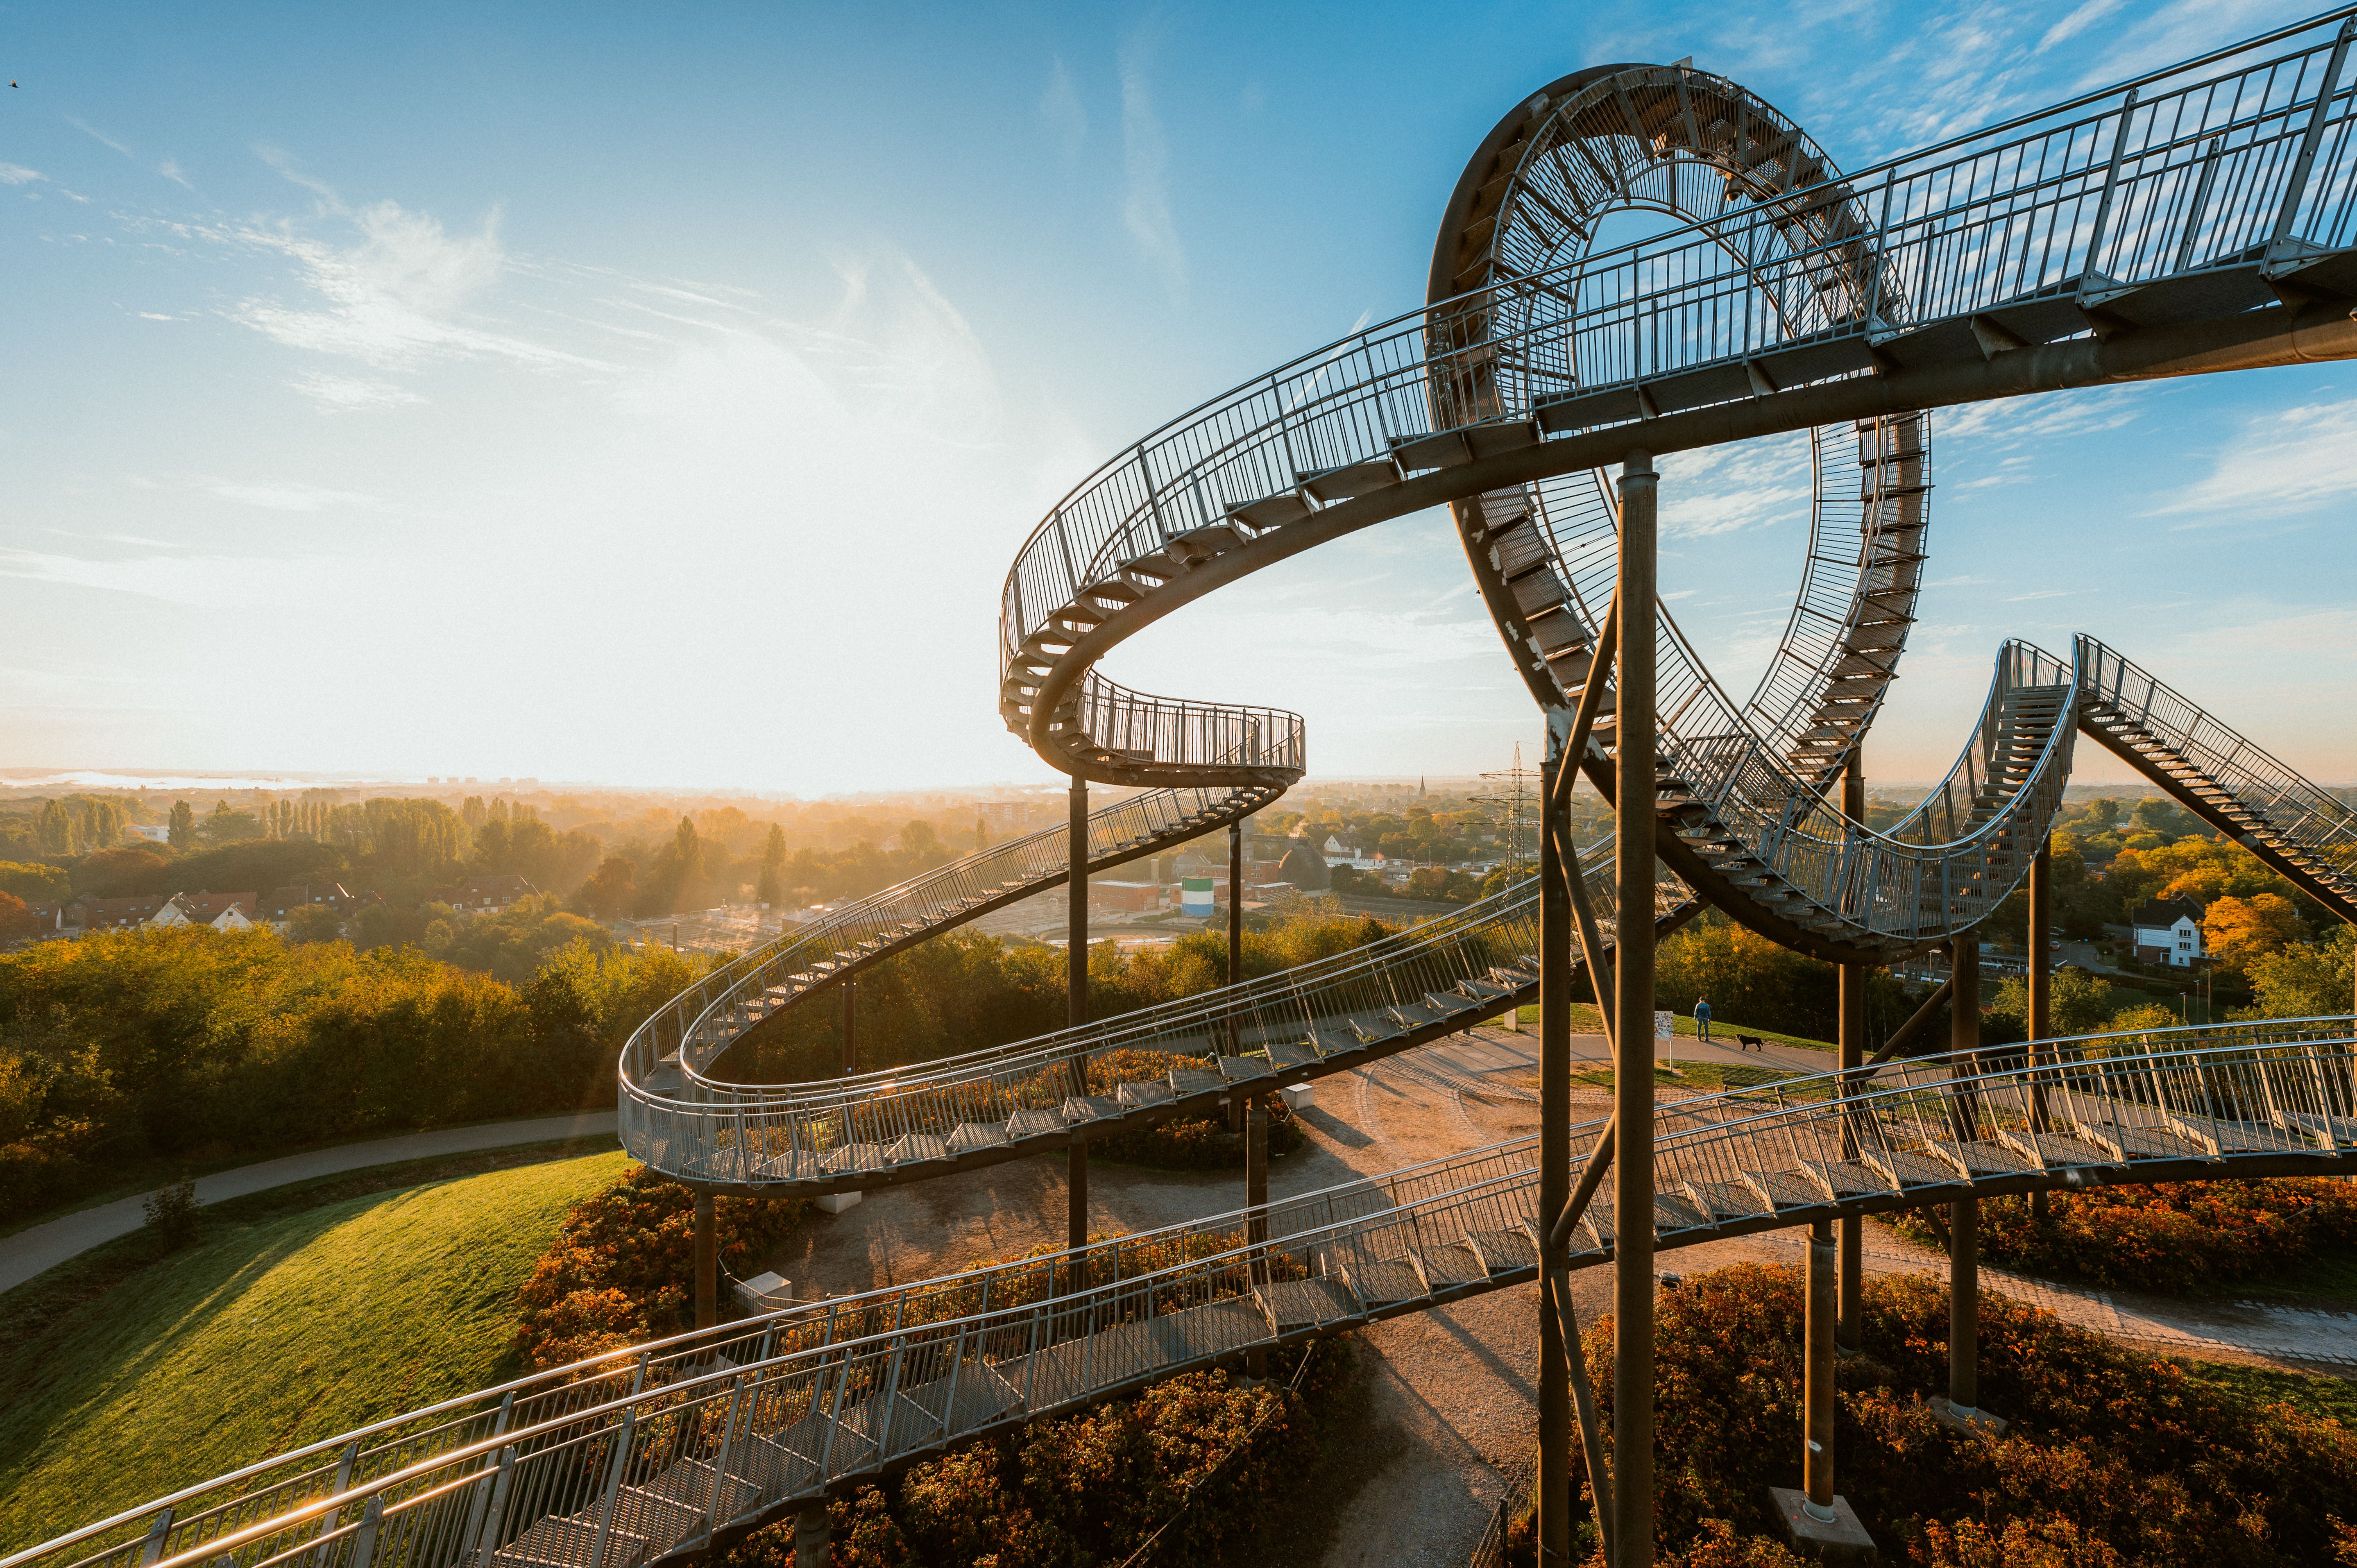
(39,1248)
(658,1452)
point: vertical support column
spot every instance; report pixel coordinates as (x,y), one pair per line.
(1632,1191)
(1851,1029)
(1235,957)
(1256,1208)
(1555,935)
(850,1024)
(1076,1012)
(2041,993)
(1965,1213)
(814,1538)
(1817,1389)
(708,1262)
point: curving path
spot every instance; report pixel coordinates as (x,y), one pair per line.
(2199,220)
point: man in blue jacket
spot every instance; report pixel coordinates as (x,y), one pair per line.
(1702,1019)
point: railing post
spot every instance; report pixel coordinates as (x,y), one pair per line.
(159,1529)
(486,1538)
(707,1260)
(365,1539)
(616,1468)
(482,1488)
(1076,1012)
(2296,186)
(1850,1027)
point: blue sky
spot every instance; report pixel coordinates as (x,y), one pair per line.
(658,395)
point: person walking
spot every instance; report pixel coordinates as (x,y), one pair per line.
(1701,1020)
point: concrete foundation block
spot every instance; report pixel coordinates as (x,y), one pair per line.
(837,1202)
(1839,1540)
(1977,1421)
(1298,1096)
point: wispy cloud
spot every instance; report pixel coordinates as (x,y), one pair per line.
(397,298)
(350,394)
(98,136)
(2289,460)
(1060,110)
(1720,489)
(17,174)
(212,582)
(170,169)
(1146,157)
(2078,21)
(286,495)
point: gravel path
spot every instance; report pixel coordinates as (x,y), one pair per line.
(39,1248)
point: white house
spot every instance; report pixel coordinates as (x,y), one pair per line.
(2167,933)
(222,911)
(1337,853)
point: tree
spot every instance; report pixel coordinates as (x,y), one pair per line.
(611,891)
(35,884)
(2105,814)
(772,889)
(2237,931)
(314,923)
(17,920)
(56,829)
(2077,1002)
(183,833)
(2307,980)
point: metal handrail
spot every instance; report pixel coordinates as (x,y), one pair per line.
(804,1401)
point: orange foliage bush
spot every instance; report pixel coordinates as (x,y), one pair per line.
(619,1271)
(2112,1457)
(2172,1237)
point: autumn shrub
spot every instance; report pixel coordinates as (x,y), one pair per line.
(619,1269)
(1208,1456)
(2113,1457)
(2171,1237)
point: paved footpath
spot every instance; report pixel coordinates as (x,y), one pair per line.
(39,1248)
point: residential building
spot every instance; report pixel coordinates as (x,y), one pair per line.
(2168,933)
(1124,897)
(222,911)
(284,901)
(484,895)
(114,914)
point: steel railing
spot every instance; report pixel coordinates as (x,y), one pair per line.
(645,1452)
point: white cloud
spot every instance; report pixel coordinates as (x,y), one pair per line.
(289,495)
(211,582)
(1146,157)
(153,316)
(2080,19)
(349,395)
(2286,461)
(1059,108)
(17,174)
(97,135)
(170,169)
(1752,484)
(397,297)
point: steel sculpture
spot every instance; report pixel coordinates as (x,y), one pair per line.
(2195,220)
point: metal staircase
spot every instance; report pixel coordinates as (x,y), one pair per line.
(2306,834)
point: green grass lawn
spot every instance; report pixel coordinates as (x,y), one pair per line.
(125,1379)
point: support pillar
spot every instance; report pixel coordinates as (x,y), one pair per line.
(1851,1014)
(850,1026)
(1235,956)
(707,1262)
(2041,995)
(1632,1192)
(1965,1213)
(1555,934)
(1076,1012)
(1817,1390)
(1256,1208)
(814,1538)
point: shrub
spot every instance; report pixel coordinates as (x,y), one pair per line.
(2112,1457)
(2173,1237)
(621,1270)
(173,1213)
(1200,1453)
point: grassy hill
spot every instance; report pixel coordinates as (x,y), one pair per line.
(274,1329)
